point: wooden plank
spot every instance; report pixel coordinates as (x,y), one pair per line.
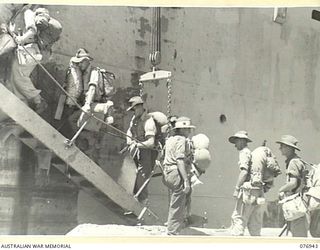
(31,142)
(128,174)
(60,107)
(52,139)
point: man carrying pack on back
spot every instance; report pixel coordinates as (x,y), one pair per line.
(312,196)
(41,32)
(264,169)
(93,84)
(240,140)
(92,88)
(142,128)
(295,184)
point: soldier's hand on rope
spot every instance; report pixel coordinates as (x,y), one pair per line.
(86,108)
(19,40)
(132,147)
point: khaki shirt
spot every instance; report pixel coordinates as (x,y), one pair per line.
(294,168)
(141,128)
(175,150)
(244,159)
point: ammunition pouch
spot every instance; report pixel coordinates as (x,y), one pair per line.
(251,194)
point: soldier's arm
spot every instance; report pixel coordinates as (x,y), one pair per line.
(31,29)
(244,165)
(290,185)
(150,133)
(242,177)
(149,143)
(293,171)
(183,172)
(90,94)
(129,136)
(93,83)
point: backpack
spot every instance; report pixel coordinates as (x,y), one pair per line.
(47,37)
(160,119)
(104,91)
(264,167)
(106,87)
(312,180)
(75,90)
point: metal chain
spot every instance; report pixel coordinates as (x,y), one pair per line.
(169,87)
(141,88)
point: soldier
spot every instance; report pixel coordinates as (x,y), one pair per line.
(176,169)
(93,84)
(91,87)
(142,128)
(295,181)
(246,213)
(41,32)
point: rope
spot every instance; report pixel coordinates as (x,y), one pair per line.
(75,102)
(141,84)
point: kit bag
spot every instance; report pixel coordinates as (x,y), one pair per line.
(313,185)
(293,207)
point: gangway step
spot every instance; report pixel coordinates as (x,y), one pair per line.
(73,156)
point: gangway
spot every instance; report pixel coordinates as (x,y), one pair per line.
(73,156)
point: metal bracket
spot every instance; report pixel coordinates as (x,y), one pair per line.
(69,143)
(149,213)
(155,75)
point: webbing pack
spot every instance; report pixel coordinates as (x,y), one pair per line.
(313,188)
(264,167)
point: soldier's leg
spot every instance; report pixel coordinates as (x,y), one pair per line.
(315,223)
(255,221)
(187,213)
(145,167)
(177,204)
(299,227)
(238,225)
(21,83)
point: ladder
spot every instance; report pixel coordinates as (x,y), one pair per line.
(74,157)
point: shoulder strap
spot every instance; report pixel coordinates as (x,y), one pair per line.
(68,72)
